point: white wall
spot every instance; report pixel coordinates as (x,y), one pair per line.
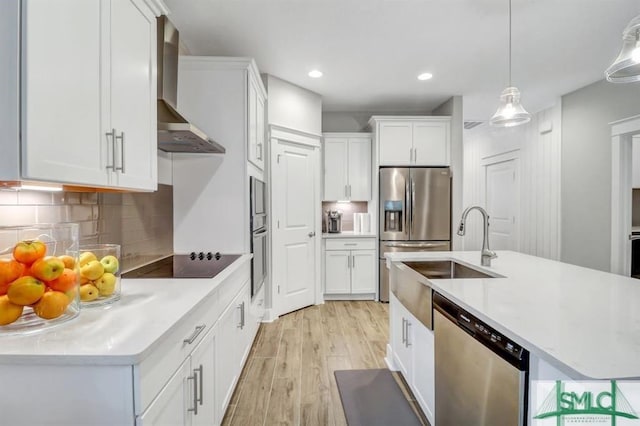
(292,106)
(453,107)
(537,145)
(586,168)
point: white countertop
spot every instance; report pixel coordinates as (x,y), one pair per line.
(121,334)
(583,321)
(348,234)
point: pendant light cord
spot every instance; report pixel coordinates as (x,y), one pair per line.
(509,43)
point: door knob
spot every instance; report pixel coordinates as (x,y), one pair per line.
(312,234)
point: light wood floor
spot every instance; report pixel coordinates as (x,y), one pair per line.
(288,378)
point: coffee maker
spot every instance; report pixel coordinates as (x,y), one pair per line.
(334,221)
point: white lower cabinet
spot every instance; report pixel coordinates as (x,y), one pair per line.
(350,267)
(412,346)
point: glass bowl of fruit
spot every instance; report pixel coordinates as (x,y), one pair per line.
(39,282)
(99,268)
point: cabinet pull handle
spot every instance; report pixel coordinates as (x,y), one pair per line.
(243,316)
(195,392)
(121,137)
(345,191)
(350,244)
(349,190)
(189,340)
(241,307)
(407,338)
(259,146)
(111,134)
(201,381)
(403,332)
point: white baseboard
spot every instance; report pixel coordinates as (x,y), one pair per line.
(368,296)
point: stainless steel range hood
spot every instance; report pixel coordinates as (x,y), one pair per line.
(175,133)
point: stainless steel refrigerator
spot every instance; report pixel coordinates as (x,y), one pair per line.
(415,213)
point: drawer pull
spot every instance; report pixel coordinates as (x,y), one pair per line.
(350,244)
(189,340)
(201,381)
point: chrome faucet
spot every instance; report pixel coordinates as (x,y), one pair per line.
(487,254)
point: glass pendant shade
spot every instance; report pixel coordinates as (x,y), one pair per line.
(510,112)
(626,67)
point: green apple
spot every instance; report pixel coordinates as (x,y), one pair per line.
(86,257)
(106,284)
(92,270)
(110,264)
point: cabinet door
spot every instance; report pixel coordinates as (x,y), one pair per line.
(401,352)
(227,356)
(171,405)
(203,362)
(62,137)
(431,143)
(396,141)
(260,131)
(359,168)
(133,93)
(254,154)
(363,271)
(423,381)
(335,169)
(337,274)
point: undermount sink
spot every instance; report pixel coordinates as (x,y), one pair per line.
(447,269)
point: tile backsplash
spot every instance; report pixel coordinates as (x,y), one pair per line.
(347,209)
(142,223)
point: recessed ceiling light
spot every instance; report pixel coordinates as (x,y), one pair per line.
(425,76)
(315,74)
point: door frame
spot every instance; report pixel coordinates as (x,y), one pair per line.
(276,135)
(622,133)
(497,159)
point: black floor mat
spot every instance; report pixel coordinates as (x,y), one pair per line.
(373,398)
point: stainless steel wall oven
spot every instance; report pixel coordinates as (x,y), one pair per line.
(259,232)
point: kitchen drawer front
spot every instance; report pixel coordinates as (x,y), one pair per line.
(350,244)
(154,372)
(228,289)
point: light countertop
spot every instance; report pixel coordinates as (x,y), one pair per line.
(349,234)
(583,321)
(123,333)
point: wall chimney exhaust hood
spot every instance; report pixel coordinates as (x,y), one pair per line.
(175,133)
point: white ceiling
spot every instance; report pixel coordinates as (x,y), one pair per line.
(372,50)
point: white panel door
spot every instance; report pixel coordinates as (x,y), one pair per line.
(431,143)
(363,265)
(502,205)
(335,169)
(396,143)
(359,169)
(337,270)
(294,195)
(61,61)
(170,407)
(133,93)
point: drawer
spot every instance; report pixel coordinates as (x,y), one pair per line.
(350,244)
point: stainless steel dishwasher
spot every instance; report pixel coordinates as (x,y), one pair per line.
(481,375)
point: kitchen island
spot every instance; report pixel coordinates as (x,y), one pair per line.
(146,359)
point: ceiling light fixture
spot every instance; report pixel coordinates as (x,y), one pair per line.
(626,67)
(425,76)
(510,112)
(315,74)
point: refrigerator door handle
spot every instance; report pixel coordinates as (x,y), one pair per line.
(415,245)
(406,209)
(413,202)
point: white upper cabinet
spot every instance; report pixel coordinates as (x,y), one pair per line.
(89,93)
(347,167)
(412,141)
(255,121)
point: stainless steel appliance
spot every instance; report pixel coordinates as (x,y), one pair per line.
(334,221)
(481,375)
(175,133)
(259,232)
(193,265)
(415,213)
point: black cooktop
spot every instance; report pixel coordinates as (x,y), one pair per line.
(193,265)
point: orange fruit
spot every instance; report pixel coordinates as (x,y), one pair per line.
(64,282)
(25,291)
(69,261)
(9,312)
(29,251)
(10,270)
(51,305)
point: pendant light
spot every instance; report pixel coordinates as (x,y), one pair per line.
(626,68)
(510,112)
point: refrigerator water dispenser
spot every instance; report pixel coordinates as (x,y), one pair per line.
(393,215)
